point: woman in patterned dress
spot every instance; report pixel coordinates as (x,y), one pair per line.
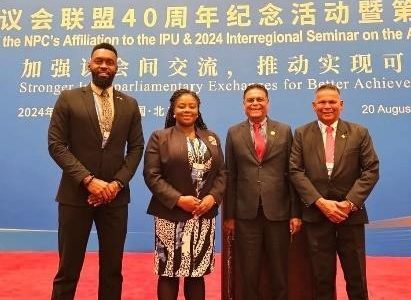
(184,170)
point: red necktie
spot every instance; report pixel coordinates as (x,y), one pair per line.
(259,142)
(329,145)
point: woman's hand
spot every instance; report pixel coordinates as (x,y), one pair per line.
(188,203)
(205,205)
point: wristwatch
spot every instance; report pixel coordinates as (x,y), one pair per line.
(353,207)
(119,183)
(88,179)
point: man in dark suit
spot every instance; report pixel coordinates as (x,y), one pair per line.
(261,207)
(334,167)
(95,137)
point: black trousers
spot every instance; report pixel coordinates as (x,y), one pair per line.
(254,238)
(326,240)
(75,223)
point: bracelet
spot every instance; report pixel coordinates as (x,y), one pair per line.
(87,183)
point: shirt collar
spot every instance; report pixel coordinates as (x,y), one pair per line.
(323,126)
(263,122)
(97,90)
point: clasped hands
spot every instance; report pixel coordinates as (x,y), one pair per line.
(335,211)
(102,192)
(196,206)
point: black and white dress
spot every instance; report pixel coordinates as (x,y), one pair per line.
(186,248)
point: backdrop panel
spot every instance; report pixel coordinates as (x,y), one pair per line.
(215,48)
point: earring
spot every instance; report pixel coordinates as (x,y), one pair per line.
(174,116)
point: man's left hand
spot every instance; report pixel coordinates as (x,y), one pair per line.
(295,225)
(111,190)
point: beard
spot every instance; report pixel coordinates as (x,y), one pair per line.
(102,82)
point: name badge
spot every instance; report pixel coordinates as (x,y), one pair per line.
(197,172)
(106,135)
(198,166)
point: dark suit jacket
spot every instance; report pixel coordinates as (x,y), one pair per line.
(167,173)
(249,180)
(75,139)
(354,174)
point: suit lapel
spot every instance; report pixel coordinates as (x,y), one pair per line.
(340,142)
(118,111)
(271,134)
(178,144)
(91,109)
(118,107)
(246,136)
(316,140)
(208,139)
(318,143)
(211,144)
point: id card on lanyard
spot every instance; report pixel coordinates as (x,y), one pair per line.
(106,135)
(104,132)
(197,171)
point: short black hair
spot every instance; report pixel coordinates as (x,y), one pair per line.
(255,86)
(328,86)
(106,46)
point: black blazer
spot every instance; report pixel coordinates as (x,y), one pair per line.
(355,172)
(250,180)
(74,142)
(167,173)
